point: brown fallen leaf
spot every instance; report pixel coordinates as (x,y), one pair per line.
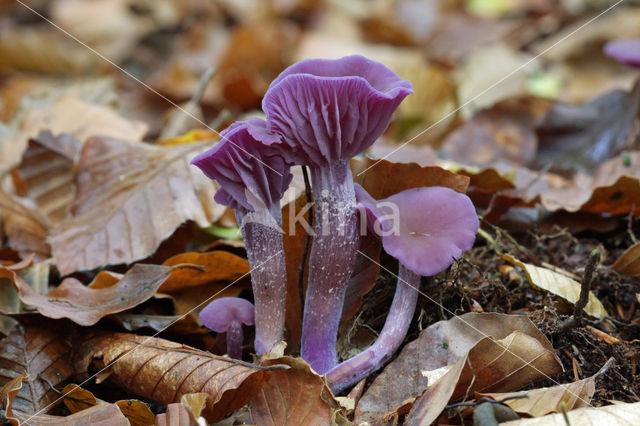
(137,412)
(163,371)
(364,276)
(8,393)
(43,355)
(101,414)
(195,401)
(130,197)
(622,414)
(439,366)
(606,338)
(629,262)
(26,229)
(542,401)
(46,174)
(86,306)
(385,178)
(77,399)
(218,265)
(293,397)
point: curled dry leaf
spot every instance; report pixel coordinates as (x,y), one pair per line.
(615,415)
(26,229)
(8,393)
(130,197)
(294,396)
(43,355)
(542,401)
(629,262)
(177,414)
(382,178)
(558,284)
(450,358)
(163,371)
(77,399)
(86,306)
(218,265)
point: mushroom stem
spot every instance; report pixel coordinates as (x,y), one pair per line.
(262,232)
(333,254)
(393,333)
(234,339)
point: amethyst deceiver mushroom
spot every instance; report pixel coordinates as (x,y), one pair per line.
(425,229)
(226,315)
(323,113)
(252,177)
(626,51)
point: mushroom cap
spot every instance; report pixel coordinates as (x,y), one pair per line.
(626,51)
(424,228)
(219,314)
(251,175)
(330,109)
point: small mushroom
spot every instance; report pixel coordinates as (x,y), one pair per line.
(253,177)
(425,229)
(226,315)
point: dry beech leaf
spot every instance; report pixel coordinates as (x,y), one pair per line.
(177,415)
(77,399)
(218,265)
(385,178)
(75,117)
(364,276)
(629,262)
(441,365)
(46,174)
(136,412)
(621,414)
(541,401)
(43,354)
(101,414)
(130,197)
(163,371)
(86,306)
(558,284)
(294,396)
(26,229)
(195,401)
(8,393)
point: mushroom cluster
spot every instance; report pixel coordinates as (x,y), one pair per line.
(320,113)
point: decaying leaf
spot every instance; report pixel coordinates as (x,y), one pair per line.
(86,306)
(615,415)
(102,414)
(629,262)
(130,197)
(294,396)
(136,412)
(26,229)
(163,371)
(177,414)
(43,354)
(382,178)
(218,265)
(558,284)
(450,358)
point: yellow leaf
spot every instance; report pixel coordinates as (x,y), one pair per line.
(558,284)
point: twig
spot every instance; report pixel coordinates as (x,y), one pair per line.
(307,243)
(486,399)
(585,288)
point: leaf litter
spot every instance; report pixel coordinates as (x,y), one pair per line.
(97,213)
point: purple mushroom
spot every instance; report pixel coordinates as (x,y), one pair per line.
(226,315)
(425,229)
(322,113)
(626,51)
(252,179)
